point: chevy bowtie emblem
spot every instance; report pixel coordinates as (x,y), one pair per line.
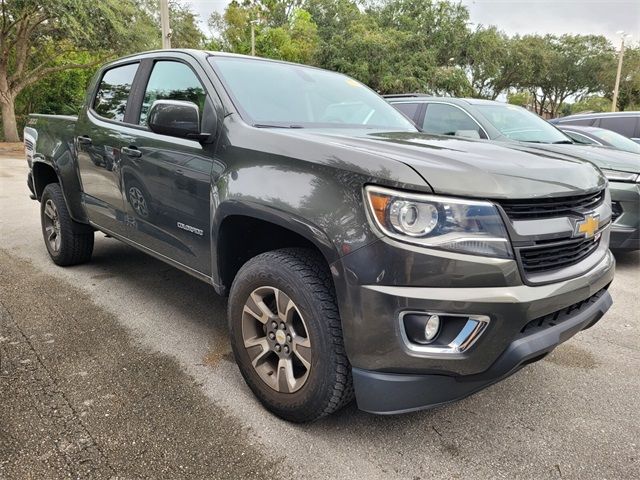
(588,227)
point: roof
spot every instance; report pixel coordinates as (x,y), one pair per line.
(422,97)
(598,115)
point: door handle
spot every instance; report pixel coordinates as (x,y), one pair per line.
(131,151)
(179,172)
(84,140)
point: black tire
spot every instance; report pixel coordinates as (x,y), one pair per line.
(304,277)
(75,242)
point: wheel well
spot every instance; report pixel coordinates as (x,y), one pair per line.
(241,238)
(43,175)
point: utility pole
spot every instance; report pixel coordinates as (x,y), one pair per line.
(253,37)
(614,103)
(164,22)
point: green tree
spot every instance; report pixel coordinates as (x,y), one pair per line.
(283,30)
(485,55)
(557,68)
(629,91)
(39,38)
(593,103)
(520,98)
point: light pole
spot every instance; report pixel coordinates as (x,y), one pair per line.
(164,22)
(253,37)
(614,103)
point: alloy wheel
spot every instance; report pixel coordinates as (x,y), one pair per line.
(276,339)
(52,225)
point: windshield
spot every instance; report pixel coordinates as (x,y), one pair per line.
(519,124)
(618,141)
(272,94)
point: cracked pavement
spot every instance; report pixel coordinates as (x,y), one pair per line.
(121,368)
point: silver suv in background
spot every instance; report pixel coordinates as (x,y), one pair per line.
(502,122)
(624,123)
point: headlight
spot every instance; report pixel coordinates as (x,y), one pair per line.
(616,176)
(464,226)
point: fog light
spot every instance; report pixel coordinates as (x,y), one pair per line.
(431,328)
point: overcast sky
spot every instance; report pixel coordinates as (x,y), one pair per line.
(601,17)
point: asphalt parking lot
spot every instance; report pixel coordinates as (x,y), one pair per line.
(122,368)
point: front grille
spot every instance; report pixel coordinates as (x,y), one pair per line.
(28,144)
(555,318)
(534,209)
(552,256)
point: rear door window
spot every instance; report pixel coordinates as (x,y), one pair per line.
(171,80)
(623,125)
(113,92)
(445,119)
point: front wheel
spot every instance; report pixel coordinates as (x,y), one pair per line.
(68,242)
(287,337)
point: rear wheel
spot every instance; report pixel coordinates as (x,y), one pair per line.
(68,242)
(287,337)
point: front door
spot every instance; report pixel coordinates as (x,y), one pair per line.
(166,180)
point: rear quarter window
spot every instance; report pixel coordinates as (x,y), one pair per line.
(113,92)
(409,109)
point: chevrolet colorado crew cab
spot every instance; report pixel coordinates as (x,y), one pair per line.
(360,257)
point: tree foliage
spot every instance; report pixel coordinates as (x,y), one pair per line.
(393,46)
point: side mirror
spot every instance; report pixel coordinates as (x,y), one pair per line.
(468,134)
(176,118)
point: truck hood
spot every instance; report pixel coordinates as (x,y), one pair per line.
(471,168)
(608,158)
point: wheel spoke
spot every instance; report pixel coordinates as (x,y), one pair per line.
(256,307)
(257,342)
(285,306)
(285,379)
(49,211)
(57,243)
(302,350)
(51,232)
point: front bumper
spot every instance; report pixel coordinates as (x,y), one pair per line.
(388,393)
(625,230)
(390,377)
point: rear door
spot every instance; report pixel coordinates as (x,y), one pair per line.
(99,137)
(167,180)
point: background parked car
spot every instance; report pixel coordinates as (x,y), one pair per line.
(624,123)
(487,119)
(600,137)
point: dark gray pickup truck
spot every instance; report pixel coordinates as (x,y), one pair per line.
(361,257)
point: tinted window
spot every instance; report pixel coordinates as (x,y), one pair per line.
(623,125)
(113,92)
(447,120)
(619,141)
(409,109)
(172,81)
(522,125)
(286,95)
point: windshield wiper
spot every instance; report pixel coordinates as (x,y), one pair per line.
(266,125)
(563,142)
